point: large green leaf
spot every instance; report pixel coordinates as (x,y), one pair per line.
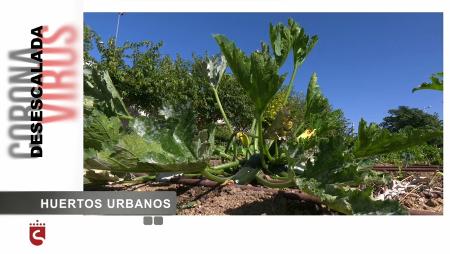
(327,145)
(319,115)
(331,163)
(156,145)
(313,187)
(437,83)
(355,174)
(302,44)
(326,166)
(99,86)
(332,179)
(284,38)
(373,140)
(328,156)
(134,154)
(280,38)
(216,67)
(257,74)
(100,131)
(177,135)
(236,59)
(362,202)
(315,102)
(265,80)
(349,200)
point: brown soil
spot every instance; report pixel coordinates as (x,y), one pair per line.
(233,200)
(427,195)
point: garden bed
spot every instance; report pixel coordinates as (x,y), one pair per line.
(233,200)
(421,192)
(417,190)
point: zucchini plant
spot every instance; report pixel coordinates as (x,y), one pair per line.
(437,83)
(311,156)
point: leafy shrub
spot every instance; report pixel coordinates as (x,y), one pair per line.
(418,155)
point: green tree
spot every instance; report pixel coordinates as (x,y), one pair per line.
(150,81)
(88,38)
(404,117)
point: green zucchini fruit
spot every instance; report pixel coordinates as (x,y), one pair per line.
(245,175)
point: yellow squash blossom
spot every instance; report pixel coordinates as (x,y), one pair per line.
(243,138)
(308,133)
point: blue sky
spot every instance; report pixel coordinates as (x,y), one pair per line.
(367,63)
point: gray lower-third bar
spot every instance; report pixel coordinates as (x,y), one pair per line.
(89,202)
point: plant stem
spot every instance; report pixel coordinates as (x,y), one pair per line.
(276,149)
(256,140)
(192,175)
(252,129)
(125,117)
(226,156)
(273,184)
(217,170)
(213,177)
(219,104)
(291,83)
(262,145)
(252,133)
(226,165)
(230,141)
(284,178)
